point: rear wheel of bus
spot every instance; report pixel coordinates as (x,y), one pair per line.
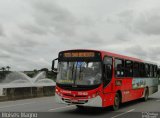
(146,94)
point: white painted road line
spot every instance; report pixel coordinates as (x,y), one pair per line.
(16,105)
(158,100)
(123,113)
(61,108)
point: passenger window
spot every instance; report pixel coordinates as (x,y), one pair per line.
(147,73)
(151,70)
(142,70)
(135,69)
(155,71)
(119,68)
(129,68)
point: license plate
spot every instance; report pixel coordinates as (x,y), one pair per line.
(74,100)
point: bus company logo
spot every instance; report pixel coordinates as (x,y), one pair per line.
(149,115)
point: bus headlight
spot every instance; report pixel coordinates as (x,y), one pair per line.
(93,95)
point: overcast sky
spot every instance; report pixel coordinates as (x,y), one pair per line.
(32,32)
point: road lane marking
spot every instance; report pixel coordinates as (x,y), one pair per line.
(158,100)
(123,113)
(61,108)
(16,105)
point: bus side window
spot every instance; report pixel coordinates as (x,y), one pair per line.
(147,73)
(119,68)
(128,68)
(135,69)
(142,70)
(151,70)
(156,71)
(108,67)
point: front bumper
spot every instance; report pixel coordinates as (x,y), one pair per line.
(93,102)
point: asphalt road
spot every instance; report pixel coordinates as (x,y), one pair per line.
(48,105)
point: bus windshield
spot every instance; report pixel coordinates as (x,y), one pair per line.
(79,73)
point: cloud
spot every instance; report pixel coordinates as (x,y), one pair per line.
(34,29)
(154,53)
(52,19)
(148,22)
(137,51)
(151,53)
(141,22)
(1,31)
(49,17)
(40,29)
(4,54)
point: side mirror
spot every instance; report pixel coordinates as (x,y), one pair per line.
(53,65)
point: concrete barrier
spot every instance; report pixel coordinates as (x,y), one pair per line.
(27,92)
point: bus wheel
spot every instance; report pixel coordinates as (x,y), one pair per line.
(116,102)
(146,94)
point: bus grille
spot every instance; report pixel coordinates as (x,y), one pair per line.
(77,96)
(74,102)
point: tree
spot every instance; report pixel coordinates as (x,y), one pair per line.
(3,68)
(35,70)
(44,69)
(8,67)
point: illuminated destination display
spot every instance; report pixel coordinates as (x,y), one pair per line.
(79,54)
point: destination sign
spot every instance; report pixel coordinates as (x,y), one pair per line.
(79,54)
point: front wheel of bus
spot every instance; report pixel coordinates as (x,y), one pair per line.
(116,102)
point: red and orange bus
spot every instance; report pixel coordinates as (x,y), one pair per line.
(99,79)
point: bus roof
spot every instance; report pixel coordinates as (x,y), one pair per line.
(103,53)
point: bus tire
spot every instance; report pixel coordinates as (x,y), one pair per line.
(116,104)
(146,94)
